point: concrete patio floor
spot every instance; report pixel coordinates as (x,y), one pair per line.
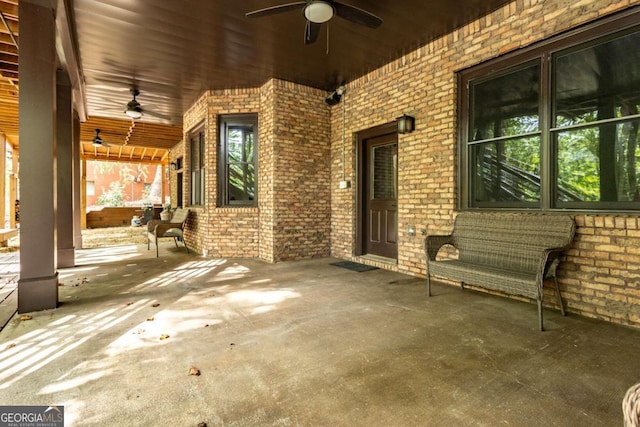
(303,344)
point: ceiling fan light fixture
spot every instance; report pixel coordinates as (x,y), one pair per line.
(318,12)
(133,111)
(134,114)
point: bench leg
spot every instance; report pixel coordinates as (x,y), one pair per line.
(428,285)
(175,240)
(540,314)
(559,297)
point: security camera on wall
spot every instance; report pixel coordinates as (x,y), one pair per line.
(334,97)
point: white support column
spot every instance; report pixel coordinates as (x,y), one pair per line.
(38,284)
(64,171)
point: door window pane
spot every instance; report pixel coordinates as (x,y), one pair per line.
(384,173)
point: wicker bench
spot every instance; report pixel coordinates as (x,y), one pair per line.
(508,252)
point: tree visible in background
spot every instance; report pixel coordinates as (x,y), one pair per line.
(112,197)
(155,191)
(121,191)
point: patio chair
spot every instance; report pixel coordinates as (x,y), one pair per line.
(631,407)
(157,229)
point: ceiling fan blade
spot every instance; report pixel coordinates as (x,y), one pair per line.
(275,9)
(356,15)
(311,32)
(156,115)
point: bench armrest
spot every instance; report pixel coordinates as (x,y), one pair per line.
(432,245)
(151,225)
(159,227)
(162,228)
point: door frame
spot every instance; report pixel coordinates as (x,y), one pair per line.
(361,150)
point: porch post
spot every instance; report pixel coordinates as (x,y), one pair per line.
(38,283)
(78,211)
(3,183)
(64,171)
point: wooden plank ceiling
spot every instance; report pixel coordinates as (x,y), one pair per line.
(172,51)
(9,70)
(128,140)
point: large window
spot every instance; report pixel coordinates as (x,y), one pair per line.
(555,126)
(237,163)
(196,150)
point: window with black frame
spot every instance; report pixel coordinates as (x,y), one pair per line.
(238,158)
(196,150)
(555,127)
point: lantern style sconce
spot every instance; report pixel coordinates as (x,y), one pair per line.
(173,166)
(406,124)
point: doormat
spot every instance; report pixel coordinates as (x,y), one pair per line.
(353,266)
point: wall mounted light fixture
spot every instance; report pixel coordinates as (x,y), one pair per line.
(334,97)
(173,166)
(406,124)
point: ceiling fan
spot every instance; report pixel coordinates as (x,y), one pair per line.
(97,141)
(317,12)
(135,111)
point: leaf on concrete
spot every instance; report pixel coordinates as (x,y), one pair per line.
(194,371)
(26,317)
(151,319)
(155,305)
(10,346)
(164,336)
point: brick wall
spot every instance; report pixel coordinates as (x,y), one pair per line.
(291,220)
(301,183)
(266,174)
(601,275)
